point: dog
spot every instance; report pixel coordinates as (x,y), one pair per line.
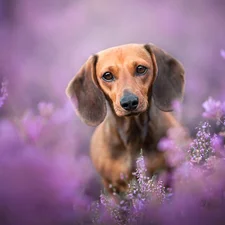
(127,92)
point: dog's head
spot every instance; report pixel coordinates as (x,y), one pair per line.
(128,77)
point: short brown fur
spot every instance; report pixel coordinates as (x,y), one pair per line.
(117,141)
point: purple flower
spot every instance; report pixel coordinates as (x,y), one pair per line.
(213,109)
(32,126)
(222,53)
(217,143)
(166,144)
(3,93)
(177,106)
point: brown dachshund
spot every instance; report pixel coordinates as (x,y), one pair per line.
(128,91)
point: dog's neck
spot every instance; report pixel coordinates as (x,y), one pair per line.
(133,130)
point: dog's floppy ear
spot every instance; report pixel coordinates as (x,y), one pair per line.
(86,96)
(169,81)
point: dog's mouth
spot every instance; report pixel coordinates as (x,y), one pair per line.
(129,114)
(124,113)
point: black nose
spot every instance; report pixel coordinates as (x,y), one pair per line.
(129,102)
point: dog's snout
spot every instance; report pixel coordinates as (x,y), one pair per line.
(129,102)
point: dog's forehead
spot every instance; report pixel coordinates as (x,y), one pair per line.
(123,52)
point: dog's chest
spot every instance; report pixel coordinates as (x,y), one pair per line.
(134,132)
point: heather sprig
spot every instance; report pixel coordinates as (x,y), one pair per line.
(145,189)
(95,213)
(117,212)
(201,147)
(142,192)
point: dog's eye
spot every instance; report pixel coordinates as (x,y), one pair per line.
(107,76)
(141,70)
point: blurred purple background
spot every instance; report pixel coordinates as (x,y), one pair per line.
(42,46)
